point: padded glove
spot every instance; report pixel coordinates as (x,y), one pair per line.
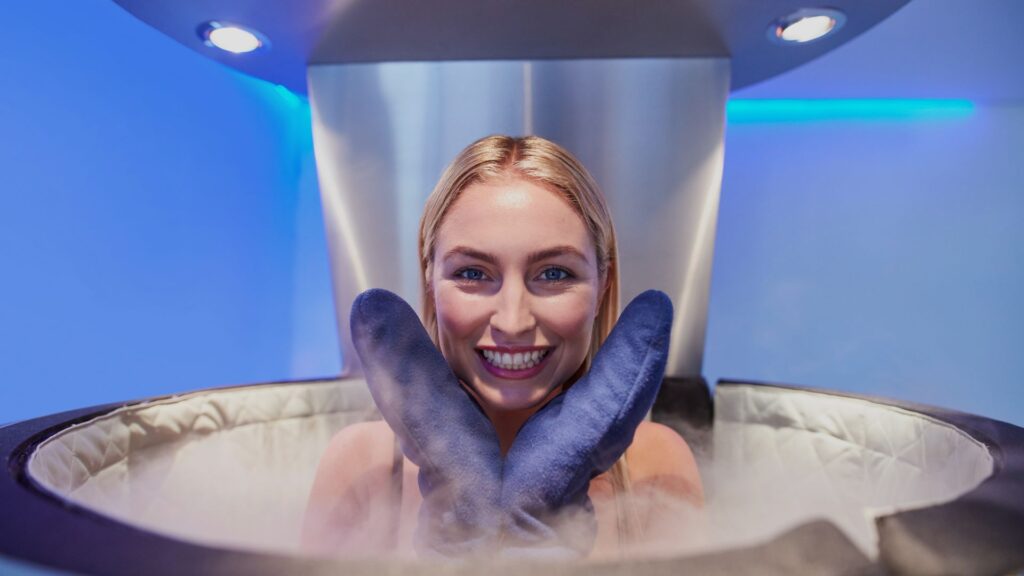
(582,433)
(439,426)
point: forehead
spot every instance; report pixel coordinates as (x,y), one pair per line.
(513,215)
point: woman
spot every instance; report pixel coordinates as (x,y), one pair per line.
(520,289)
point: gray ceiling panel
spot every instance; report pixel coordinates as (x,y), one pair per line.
(304,32)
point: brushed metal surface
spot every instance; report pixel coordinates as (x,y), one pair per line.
(650,131)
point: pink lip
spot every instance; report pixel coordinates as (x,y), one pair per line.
(514,374)
(513,349)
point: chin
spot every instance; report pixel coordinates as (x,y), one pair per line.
(514,401)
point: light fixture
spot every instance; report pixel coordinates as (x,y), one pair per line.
(806,25)
(232,37)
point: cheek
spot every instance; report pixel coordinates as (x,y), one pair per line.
(572,318)
(457,316)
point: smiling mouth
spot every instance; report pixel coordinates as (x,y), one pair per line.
(514,361)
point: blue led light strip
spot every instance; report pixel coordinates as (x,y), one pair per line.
(757,111)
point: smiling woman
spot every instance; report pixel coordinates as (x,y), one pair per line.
(520,289)
(518,275)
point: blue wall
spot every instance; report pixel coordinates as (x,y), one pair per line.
(882,256)
(159,217)
(160,232)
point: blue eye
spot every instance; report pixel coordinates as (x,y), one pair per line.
(555,274)
(471,274)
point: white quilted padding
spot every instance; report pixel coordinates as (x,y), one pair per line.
(783,457)
(234,467)
(229,467)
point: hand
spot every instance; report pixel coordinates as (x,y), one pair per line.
(581,434)
(440,427)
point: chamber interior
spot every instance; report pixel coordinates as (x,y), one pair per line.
(230,467)
(233,467)
(784,457)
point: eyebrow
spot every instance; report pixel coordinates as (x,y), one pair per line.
(530,258)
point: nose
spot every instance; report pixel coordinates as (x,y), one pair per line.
(513,315)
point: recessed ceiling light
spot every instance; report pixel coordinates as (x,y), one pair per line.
(231,37)
(806,25)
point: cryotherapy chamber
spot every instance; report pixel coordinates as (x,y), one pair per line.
(797,480)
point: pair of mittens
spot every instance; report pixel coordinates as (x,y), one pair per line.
(534,501)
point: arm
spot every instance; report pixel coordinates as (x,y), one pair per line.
(347,507)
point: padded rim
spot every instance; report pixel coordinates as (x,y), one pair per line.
(983,528)
(981,531)
(40,528)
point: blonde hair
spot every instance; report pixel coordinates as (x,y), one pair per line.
(548,164)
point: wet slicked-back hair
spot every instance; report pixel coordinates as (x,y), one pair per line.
(547,164)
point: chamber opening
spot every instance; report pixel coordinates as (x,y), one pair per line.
(231,469)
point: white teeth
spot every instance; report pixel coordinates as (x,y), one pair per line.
(517,361)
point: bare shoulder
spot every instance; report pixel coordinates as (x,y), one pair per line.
(374,434)
(358,445)
(655,444)
(349,477)
(660,458)
(352,453)
(351,481)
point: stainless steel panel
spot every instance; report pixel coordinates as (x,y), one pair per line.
(650,130)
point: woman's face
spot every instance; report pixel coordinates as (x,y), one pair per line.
(516,289)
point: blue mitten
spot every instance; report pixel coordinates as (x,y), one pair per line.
(440,427)
(581,434)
